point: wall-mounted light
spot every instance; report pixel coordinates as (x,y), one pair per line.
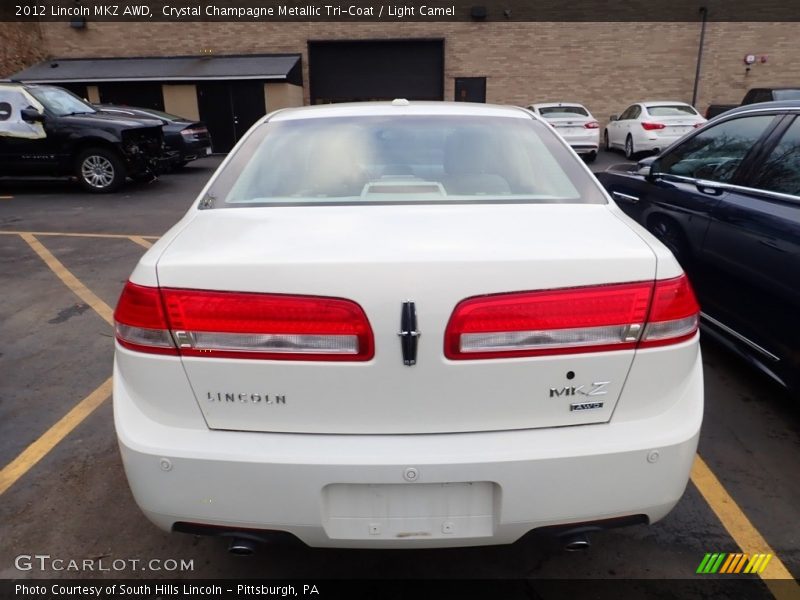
(478,13)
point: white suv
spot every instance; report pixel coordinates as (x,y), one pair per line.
(405,325)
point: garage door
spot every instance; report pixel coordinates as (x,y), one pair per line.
(354,71)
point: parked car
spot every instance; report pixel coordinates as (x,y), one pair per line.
(406,325)
(650,126)
(184,139)
(756,95)
(574,123)
(726,201)
(48,131)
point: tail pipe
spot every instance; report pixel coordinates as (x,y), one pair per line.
(242,547)
(575,542)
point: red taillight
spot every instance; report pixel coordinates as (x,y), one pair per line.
(651,126)
(194,131)
(674,313)
(592,125)
(698,125)
(265,326)
(572,320)
(140,322)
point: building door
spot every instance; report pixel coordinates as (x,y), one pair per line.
(352,71)
(470,89)
(230,108)
(143,94)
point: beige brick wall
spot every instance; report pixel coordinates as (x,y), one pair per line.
(21,45)
(603,65)
(282,95)
(181,100)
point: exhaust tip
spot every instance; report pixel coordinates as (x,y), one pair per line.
(242,547)
(576,542)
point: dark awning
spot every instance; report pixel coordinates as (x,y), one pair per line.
(277,67)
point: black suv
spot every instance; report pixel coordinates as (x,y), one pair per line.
(46,130)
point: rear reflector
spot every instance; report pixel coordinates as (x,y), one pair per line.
(244,325)
(572,320)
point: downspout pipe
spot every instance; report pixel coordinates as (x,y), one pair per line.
(703,21)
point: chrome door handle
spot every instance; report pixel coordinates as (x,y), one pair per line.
(625,197)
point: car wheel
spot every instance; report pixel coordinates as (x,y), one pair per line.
(99,170)
(590,158)
(629,150)
(606,141)
(671,235)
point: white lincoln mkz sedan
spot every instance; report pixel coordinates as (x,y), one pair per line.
(403,325)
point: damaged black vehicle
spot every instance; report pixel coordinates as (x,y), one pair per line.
(48,131)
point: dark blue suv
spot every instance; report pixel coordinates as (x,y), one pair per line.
(726,200)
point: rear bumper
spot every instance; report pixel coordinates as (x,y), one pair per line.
(583,144)
(652,141)
(330,490)
(584,148)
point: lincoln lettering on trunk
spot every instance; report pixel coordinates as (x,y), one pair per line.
(245,398)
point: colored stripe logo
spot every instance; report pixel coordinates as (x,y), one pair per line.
(721,562)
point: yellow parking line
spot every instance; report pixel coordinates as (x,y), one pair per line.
(87,235)
(26,460)
(141,241)
(742,530)
(29,457)
(72,282)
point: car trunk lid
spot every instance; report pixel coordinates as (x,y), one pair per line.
(382,257)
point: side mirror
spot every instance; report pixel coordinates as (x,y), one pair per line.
(645,167)
(613,118)
(31,115)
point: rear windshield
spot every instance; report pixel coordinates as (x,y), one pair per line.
(402,159)
(786,94)
(558,112)
(678,110)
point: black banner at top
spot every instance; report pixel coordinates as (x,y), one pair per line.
(390,11)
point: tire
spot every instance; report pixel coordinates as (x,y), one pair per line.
(671,235)
(630,151)
(99,170)
(606,141)
(590,158)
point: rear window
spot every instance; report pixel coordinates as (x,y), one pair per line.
(402,159)
(678,110)
(786,94)
(559,112)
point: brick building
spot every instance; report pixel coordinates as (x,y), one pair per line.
(605,66)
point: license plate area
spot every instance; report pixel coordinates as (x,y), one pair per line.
(409,511)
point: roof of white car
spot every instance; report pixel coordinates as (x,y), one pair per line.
(663,103)
(400,107)
(551,104)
